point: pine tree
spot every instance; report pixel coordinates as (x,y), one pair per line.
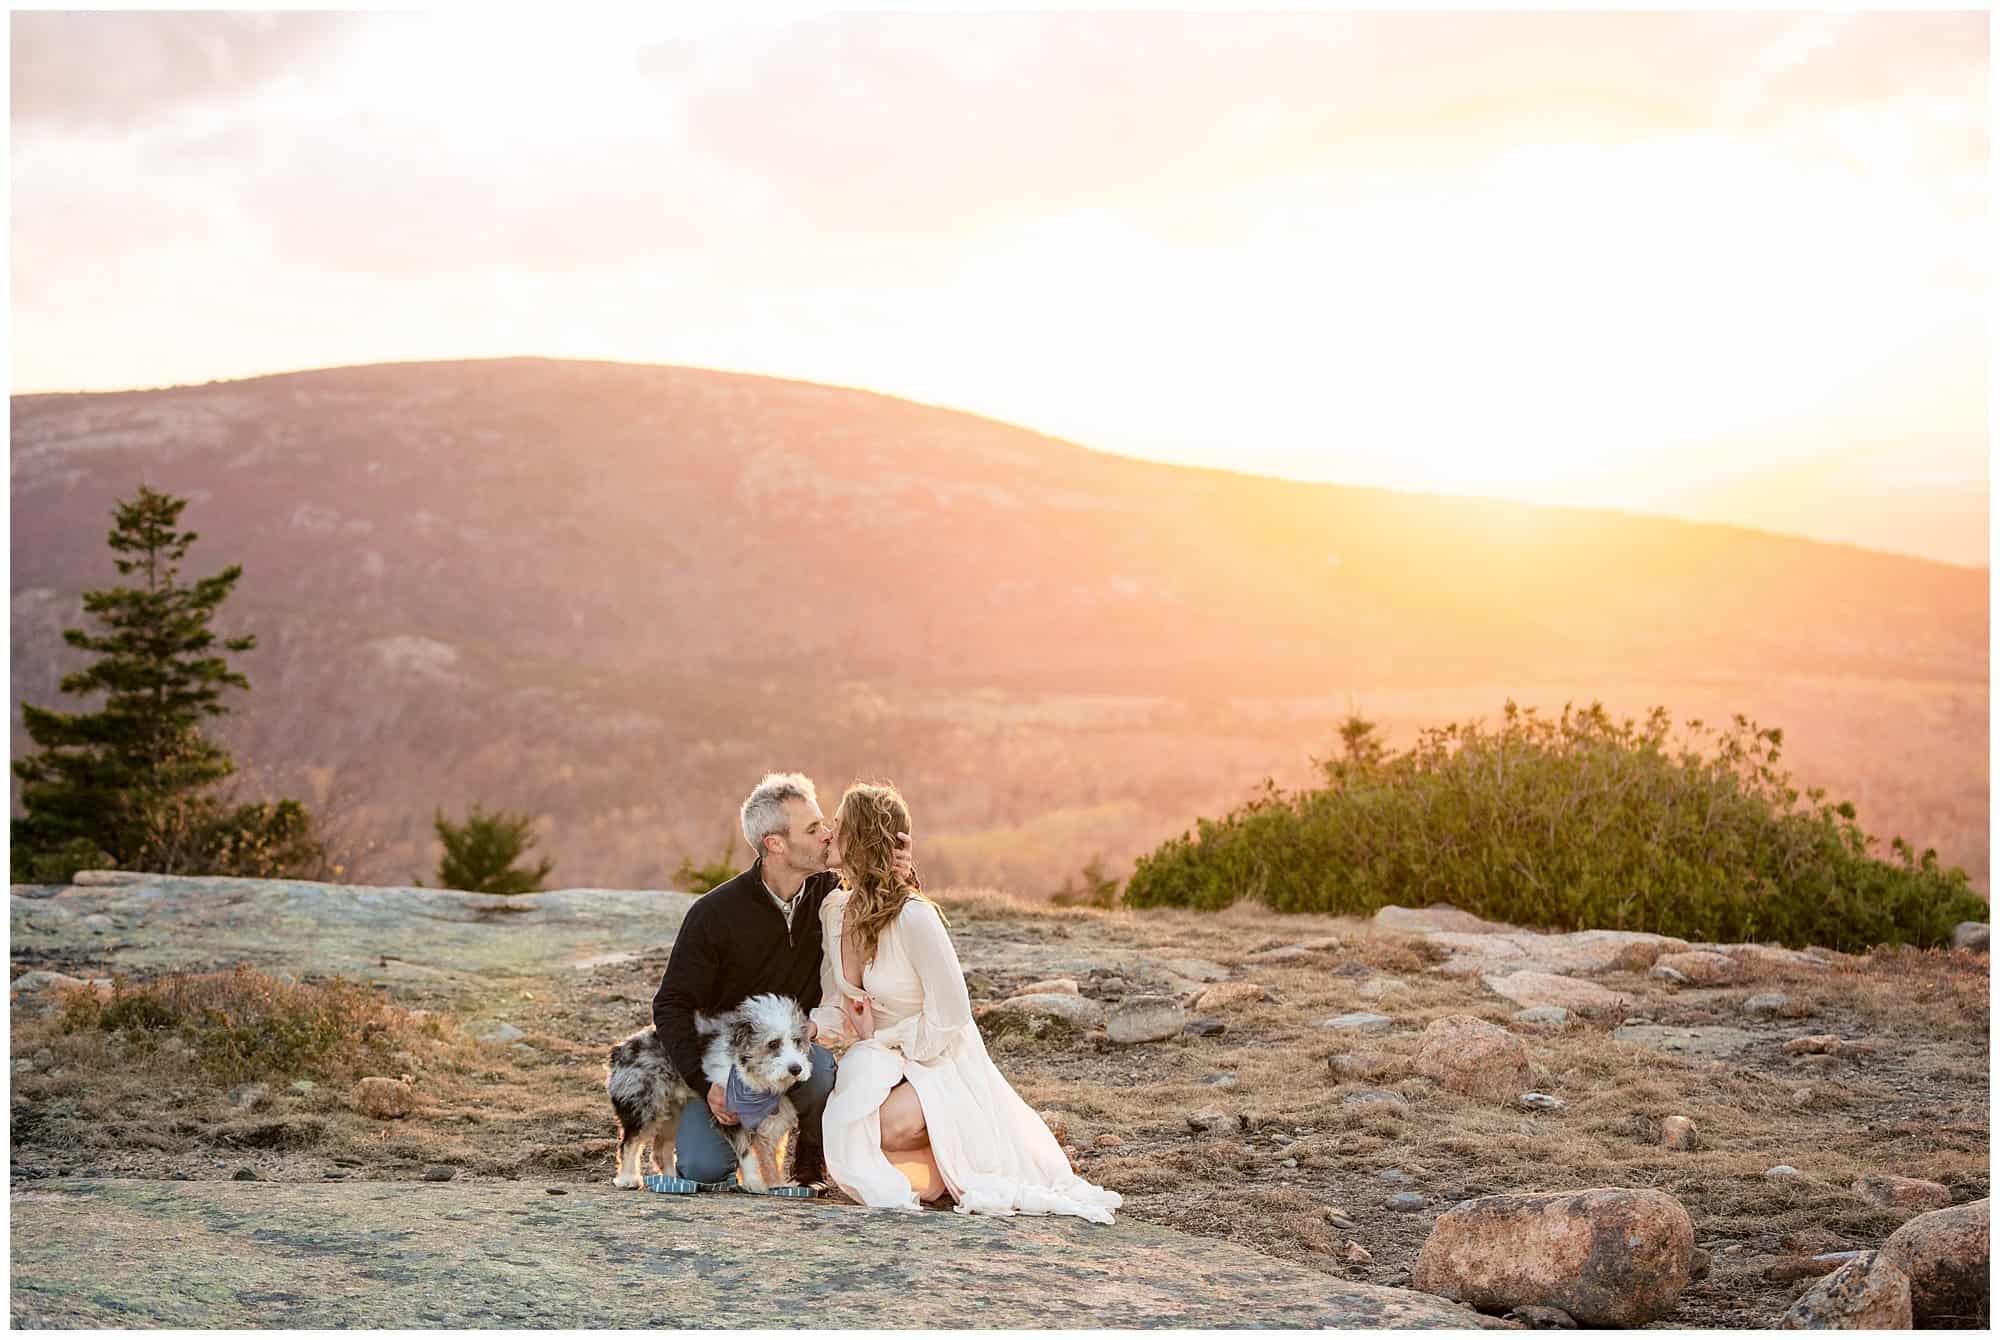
(130,779)
(479,854)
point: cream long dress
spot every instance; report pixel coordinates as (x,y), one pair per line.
(995,1154)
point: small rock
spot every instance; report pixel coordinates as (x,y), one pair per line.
(1366,1065)
(1384,1098)
(1209,1121)
(303,1087)
(1107,1141)
(1903,1193)
(1361,1021)
(1543,1018)
(1546,988)
(1334,1215)
(1053,986)
(1542,1318)
(1610,1256)
(1288,1163)
(1856,1297)
(382,1098)
(1405,1202)
(1789,1268)
(1698,967)
(244,1175)
(1058,1122)
(1969,935)
(1700,1264)
(1228,995)
(1377,987)
(1395,1176)
(1470,1056)
(496,1033)
(1782,1170)
(1679,1133)
(1219,1079)
(1146,1019)
(1280,954)
(1540,1102)
(440,1172)
(24,1065)
(1195,969)
(979,984)
(40,980)
(1813,1241)
(556,1190)
(1356,1255)
(250,1095)
(1801,1097)
(1205,1028)
(1766,1003)
(1075,1011)
(1820,1044)
(1945,1254)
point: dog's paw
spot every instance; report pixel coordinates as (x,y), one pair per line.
(628,1180)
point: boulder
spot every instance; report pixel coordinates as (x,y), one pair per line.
(1146,1019)
(383,1098)
(1945,1254)
(1608,1256)
(1054,986)
(1545,988)
(1860,1296)
(1903,1193)
(1698,967)
(1764,960)
(1470,1056)
(1226,995)
(1078,1012)
(1969,935)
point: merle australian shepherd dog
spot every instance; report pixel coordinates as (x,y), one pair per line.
(763,1041)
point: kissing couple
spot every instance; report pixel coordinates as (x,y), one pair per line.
(830,915)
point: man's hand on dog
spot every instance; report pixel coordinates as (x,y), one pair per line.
(718,1106)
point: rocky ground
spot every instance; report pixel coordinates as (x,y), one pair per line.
(1285,1098)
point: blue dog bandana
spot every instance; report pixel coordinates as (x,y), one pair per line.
(750,1105)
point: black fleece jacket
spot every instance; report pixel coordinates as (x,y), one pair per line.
(733,944)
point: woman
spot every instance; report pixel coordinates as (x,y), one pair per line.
(891,985)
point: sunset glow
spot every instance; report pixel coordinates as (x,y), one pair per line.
(1721,266)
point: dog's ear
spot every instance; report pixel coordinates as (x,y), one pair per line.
(742,1032)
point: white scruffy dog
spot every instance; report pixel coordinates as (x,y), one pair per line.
(763,1041)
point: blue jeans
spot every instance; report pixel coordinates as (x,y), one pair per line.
(705,1156)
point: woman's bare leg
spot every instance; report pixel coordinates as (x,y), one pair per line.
(906,1142)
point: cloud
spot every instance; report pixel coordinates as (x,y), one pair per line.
(108,71)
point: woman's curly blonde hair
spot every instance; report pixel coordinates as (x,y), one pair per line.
(868,820)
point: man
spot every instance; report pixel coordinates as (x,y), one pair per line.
(750,935)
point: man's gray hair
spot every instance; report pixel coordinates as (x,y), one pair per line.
(764,811)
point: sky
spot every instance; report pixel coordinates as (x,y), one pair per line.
(1723,266)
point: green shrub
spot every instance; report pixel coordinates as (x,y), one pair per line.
(245,1025)
(1571,823)
(691,878)
(59,866)
(479,854)
(1097,890)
